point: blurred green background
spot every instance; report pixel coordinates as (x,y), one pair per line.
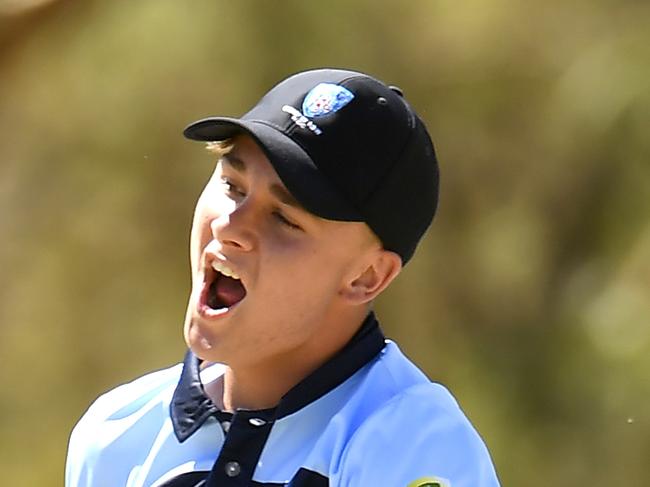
(529,298)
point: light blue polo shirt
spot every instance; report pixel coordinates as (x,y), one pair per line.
(367,417)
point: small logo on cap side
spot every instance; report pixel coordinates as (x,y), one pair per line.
(325,98)
(300,120)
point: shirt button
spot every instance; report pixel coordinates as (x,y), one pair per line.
(225,425)
(257,422)
(232,469)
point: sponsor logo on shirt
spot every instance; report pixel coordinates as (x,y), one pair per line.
(430,482)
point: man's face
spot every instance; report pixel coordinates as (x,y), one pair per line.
(287,266)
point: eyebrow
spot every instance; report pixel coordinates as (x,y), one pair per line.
(279,191)
(235,162)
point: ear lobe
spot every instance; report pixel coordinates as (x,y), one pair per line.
(374,278)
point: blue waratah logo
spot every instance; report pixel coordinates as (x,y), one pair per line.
(325,98)
(321,100)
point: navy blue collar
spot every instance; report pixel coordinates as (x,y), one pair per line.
(190,405)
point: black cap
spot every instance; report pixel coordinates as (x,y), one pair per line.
(347,147)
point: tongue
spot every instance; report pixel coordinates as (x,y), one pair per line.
(229,291)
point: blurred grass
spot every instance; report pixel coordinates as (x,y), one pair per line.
(528,298)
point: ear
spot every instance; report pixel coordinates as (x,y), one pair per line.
(375,276)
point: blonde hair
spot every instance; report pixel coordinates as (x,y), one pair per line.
(220,147)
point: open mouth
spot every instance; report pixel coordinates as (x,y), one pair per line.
(223,288)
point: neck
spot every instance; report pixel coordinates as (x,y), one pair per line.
(262,385)
(249,390)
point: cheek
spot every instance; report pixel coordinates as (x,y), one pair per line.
(303,276)
(199,235)
(211,204)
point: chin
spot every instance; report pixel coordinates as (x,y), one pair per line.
(203,344)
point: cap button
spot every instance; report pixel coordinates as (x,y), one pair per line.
(397,90)
(232,469)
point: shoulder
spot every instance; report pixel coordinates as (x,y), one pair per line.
(127,398)
(419,435)
(125,411)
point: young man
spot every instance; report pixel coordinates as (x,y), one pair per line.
(320,196)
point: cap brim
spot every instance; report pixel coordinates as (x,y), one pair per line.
(294,166)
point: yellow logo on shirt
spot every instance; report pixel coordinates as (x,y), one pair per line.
(430,482)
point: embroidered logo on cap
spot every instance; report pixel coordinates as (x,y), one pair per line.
(300,120)
(325,98)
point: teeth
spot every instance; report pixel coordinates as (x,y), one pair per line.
(224,269)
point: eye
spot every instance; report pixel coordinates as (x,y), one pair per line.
(232,189)
(285,221)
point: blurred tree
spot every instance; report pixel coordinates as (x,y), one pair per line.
(529,297)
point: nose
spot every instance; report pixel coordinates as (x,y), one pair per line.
(235,229)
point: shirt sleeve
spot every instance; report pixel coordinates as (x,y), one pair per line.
(85,445)
(97,454)
(419,439)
